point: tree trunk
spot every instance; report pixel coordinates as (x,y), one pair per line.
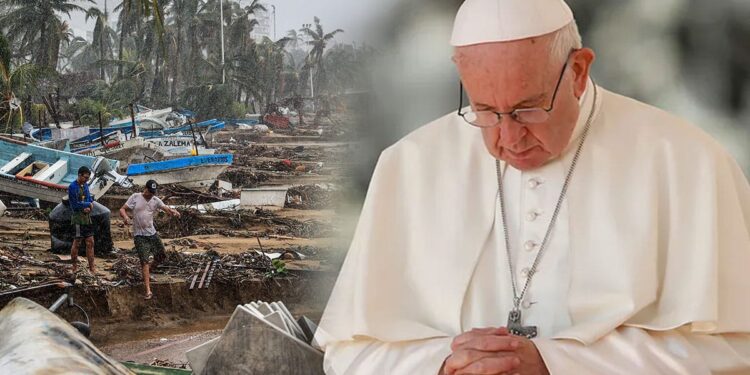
(176,65)
(155,86)
(123,28)
(101,58)
(42,52)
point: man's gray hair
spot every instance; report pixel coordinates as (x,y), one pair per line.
(565,40)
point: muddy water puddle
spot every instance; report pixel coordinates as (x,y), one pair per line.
(165,344)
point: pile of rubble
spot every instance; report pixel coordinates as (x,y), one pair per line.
(36,214)
(305,229)
(175,227)
(229,268)
(309,197)
(242,177)
(18,269)
(253,151)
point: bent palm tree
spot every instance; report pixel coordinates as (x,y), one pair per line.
(11,81)
(103,38)
(318,41)
(37,27)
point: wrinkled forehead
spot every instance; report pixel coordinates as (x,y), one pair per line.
(522,65)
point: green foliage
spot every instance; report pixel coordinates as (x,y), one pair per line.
(210,101)
(88,111)
(318,42)
(165,52)
(279,269)
(238,110)
(36,110)
(15,82)
(36,28)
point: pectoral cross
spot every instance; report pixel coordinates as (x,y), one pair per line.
(517,328)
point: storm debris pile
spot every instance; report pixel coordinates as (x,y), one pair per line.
(309,197)
(241,177)
(127,268)
(36,214)
(305,229)
(174,227)
(183,265)
(18,269)
(252,151)
(180,195)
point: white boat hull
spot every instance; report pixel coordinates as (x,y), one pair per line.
(195,177)
(180,146)
(49,194)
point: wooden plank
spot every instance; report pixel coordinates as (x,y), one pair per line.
(205,272)
(211,272)
(195,277)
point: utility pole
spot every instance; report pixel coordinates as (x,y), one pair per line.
(312,91)
(221,21)
(274,21)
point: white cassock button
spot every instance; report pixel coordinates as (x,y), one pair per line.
(531,215)
(534,182)
(526,304)
(525,272)
(529,245)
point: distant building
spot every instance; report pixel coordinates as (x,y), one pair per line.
(264,28)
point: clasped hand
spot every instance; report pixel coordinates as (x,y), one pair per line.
(493,351)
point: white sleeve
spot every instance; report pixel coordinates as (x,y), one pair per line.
(131,202)
(629,350)
(366,357)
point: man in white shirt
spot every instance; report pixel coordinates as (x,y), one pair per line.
(148,245)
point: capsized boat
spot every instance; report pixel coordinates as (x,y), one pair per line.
(192,172)
(38,172)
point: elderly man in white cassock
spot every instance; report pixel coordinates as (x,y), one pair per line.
(551,227)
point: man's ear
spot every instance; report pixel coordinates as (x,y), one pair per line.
(581,66)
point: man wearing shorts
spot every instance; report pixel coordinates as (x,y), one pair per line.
(81,203)
(148,245)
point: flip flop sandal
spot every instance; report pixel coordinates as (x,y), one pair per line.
(148,296)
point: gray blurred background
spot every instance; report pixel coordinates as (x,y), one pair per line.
(689,57)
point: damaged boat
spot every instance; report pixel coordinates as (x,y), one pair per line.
(192,172)
(38,172)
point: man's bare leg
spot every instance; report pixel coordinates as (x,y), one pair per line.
(147,278)
(90,254)
(74,254)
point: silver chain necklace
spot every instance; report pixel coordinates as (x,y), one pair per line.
(515,325)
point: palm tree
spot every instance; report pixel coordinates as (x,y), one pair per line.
(103,38)
(341,66)
(318,41)
(35,25)
(242,24)
(131,13)
(183,18)
(294,38)
(258,72)
(69,51)
(12,82)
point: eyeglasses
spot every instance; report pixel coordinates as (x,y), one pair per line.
(491,119)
